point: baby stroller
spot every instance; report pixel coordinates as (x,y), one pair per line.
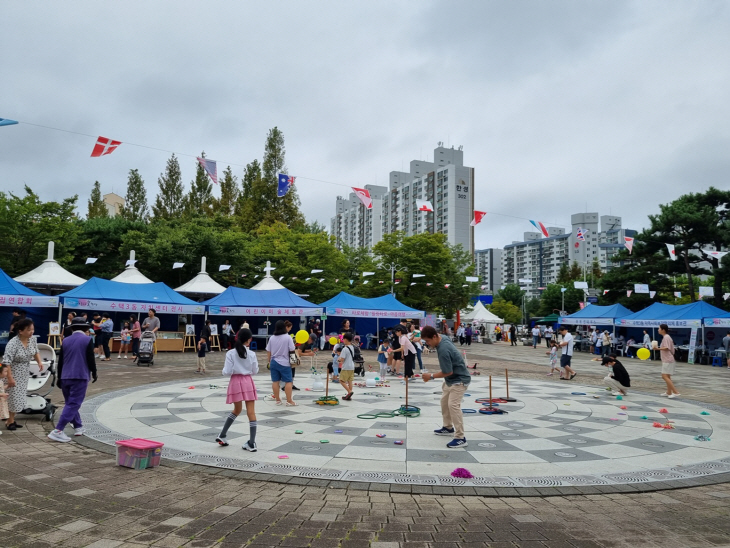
(146,354)
(37,400)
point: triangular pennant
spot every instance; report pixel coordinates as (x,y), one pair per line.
(256,276)
(428,284)
(7,122)
(179,265)
(418,275)
(316,271)
(651,294)
(91,260)
(629,243)
(104,146)
(671,251)
(307,279)
(541,227)
(716,254)
(725,296)
(321,280)
(294,277)
(629,292)
(351,282)
(364,196)
(281,278)
(337,280)
(478,216)
(465,285)
(413,283)
(210,168)
(366,281)
(130,262)
(605,291)
(368,274)
(380,282)
(472,279)
(447,285)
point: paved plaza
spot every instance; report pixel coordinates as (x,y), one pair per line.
(628,483)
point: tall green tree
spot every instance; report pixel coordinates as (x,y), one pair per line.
(27,224)
(510,313)
(96,206)
(135,202)
(226,204)
(286,208)
(553,299)
(170,200)
(248,205)
(512,294)
(199,200)
(102,238)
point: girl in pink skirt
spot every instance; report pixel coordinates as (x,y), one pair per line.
(241,364)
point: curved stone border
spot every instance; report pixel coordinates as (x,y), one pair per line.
(99,437)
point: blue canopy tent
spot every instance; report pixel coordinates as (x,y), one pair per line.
(16,295)
(596,315)
(387,306)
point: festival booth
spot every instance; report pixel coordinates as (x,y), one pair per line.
(481,316)
(365,314)
(50,276)
(693,340)
(253,304)
(126,299)
(596,316)
(14,295)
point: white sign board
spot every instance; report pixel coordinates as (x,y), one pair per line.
(641,288)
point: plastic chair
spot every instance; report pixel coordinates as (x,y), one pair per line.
(253,346)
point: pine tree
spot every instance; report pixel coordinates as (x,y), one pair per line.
(252,203)
(284,209)
(229,193)
(135,203)
(170,201)
(199,200)
(97,207)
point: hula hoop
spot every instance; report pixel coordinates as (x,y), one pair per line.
(367,416)
(578,393)
(384,415)
(468,410)
(487,411)
(408,411)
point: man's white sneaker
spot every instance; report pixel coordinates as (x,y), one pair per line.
(79,431)
(672,396)
(57,435)
(616,394)
(665,394)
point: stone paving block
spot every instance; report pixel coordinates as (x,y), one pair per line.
(526,518)
(176,521)
(77,526)
(83,492)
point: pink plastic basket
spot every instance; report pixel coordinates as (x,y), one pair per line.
(139,453)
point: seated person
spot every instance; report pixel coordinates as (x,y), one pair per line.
(618,378)
(629,350)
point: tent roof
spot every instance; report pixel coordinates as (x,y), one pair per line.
(202,284)
(268,284)
(387,304)
(132,275)
(273,298)
(8,286)
(480,314)
(550,318)
(49,272)
(108,290)
(697,310)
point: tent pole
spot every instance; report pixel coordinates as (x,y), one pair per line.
(60,314)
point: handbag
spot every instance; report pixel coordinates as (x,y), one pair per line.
(293,358)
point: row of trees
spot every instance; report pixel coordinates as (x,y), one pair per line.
(252,202)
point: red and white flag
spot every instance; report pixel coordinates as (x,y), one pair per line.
(605,291)
(424,205)
(104,146)
(629,243)
(210,168)
(364,196)
(716,254)
(629,292)
(478,216)
(447,285)
(672,253)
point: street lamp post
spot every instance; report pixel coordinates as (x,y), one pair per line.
(393,267)
(562,297)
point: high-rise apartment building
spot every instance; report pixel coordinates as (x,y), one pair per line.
(488,263)
(445,182)
(535,262)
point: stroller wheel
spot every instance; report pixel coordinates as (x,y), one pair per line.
(50,412)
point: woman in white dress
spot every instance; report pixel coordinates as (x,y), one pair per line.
(18,354)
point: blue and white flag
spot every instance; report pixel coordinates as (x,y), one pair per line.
(285,183)
(6,122)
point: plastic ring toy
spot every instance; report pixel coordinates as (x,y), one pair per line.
(488,411)
(384,415)
(578,393)
(367,416)
(468,410)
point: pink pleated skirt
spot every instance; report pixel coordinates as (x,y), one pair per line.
(241,388)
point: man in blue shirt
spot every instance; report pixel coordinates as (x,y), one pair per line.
(456,381)
(107,328)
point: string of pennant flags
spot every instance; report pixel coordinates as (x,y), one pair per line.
(105,146)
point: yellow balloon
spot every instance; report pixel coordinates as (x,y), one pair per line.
(302,336)
(643,353)
(333,341)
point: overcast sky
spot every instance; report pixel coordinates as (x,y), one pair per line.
(607,106)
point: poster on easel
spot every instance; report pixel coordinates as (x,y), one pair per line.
(692,346)
(190,329)
(54,328)
(214,329)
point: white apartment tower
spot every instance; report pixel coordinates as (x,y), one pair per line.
(445,182)
(488,264)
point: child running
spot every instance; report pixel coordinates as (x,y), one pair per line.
(241,364)
(125,340)
(383,358)
(553,358)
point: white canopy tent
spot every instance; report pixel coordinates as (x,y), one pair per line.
(131,275)
(480,314)
(202,284)
(50,274)
(268,282)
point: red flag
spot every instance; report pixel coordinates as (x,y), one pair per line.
(478,216)
(364,196)
(104,146)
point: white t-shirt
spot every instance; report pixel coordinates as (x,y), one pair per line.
(535,332)
(568,349)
